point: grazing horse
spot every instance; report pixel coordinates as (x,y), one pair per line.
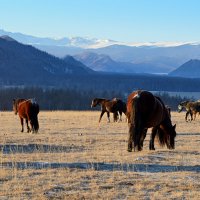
(27,109)
(191,108)
(144,110)
(110,106)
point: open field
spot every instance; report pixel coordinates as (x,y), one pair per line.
(73,158)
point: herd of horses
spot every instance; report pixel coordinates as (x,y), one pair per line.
(143,110)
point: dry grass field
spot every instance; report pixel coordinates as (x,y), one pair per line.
(73,158)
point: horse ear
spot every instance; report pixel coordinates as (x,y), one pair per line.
(174,126)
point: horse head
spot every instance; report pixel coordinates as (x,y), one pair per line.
(180,108)
(97,101)
(171,142)
(182,105)
(16,103)
(15,106)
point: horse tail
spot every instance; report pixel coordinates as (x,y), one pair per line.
(34,117)
(136,120)
(35,124)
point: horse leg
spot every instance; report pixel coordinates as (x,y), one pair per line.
(130,138)
(28,128)
(186,116)
(108,115)
(194,116)
(102,113)
(143,136)
(191,115)
(152,137)
(120,115)
(22,124)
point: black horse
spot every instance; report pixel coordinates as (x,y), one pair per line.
(110,106)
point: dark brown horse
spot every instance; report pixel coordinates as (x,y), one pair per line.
(144,110)
(27,109)
(110,106)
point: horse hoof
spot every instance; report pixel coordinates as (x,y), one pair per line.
(129,150)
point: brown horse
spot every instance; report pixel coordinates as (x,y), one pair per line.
(144,110)
(110,106)
(27,109)
(191,107)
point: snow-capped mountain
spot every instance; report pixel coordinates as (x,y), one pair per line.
(82,42)
(85,42)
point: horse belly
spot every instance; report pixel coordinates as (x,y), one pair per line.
(23,115)
(156,118)
(110,110)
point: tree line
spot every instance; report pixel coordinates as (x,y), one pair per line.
(69,99)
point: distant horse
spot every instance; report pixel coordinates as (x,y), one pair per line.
(144,110)
(191,107)
(27,109)
(110,106)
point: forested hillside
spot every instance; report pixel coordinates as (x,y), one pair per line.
(68,99)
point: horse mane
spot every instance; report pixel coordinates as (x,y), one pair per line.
(161,137)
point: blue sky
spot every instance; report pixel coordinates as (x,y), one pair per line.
(121,20)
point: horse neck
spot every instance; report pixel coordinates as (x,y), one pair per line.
(186,104)
(18,102)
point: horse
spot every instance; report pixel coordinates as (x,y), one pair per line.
(144,110)
(110,106)
(27,109)
(191,107)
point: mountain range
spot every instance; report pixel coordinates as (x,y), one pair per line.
(98,55)
(162,57)
(81,42)
(24,65)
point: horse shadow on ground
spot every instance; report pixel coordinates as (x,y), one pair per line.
(38,148)
(100,166)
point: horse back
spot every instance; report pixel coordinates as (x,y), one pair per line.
(27,109)
(145,107)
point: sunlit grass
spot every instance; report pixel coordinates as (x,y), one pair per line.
(76,137)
